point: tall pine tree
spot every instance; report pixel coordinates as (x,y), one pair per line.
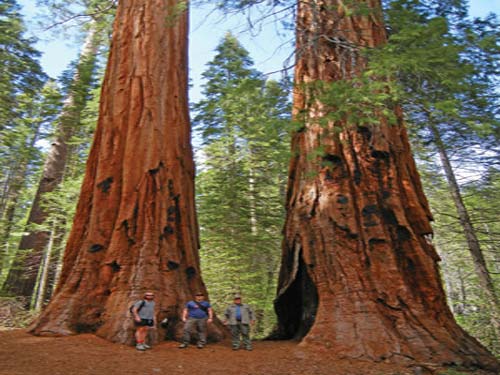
(23,119)
(242,123)
(447,67)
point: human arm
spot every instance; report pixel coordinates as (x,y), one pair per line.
(210,315)
(135,312)
(184,314)
(227,315)
(251,315)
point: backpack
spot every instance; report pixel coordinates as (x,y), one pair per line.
(131,308)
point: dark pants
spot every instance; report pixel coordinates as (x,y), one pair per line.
(145,323)
(200,325)
(242,330)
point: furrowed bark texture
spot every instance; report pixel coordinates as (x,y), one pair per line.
(359,275)
(135,227)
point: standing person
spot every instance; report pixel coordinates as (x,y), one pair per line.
(144,318)
(196,315)
(239,316)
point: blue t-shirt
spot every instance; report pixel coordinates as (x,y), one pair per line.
(195,312)
(238,313)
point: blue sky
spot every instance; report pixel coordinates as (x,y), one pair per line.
(268,50)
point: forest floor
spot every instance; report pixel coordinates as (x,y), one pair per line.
(86,354)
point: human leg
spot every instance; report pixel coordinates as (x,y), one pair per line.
(235,335)
(140,337)
(202,332)
(245,333)
(188,327)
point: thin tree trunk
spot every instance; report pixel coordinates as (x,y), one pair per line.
(252,200)
(470,234)
(451,295)
(463,292)
(55,266)
(359,275)
(22,277)
(37,301)
(5,191)
(135,227)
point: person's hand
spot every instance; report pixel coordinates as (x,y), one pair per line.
(209,320)
(137,319)
(252,322)
(184,319)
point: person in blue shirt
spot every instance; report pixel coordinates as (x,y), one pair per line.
(196,315)
(240,316)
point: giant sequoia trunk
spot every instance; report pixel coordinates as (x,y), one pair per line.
(135,227)
(359,275)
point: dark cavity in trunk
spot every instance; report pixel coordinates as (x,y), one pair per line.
(296,308)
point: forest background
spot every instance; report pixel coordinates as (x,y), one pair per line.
(241,122)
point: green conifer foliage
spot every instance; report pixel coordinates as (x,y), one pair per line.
(446,69)
(21,72)
(21,163)
(241,177)
(27,106)
(443,67)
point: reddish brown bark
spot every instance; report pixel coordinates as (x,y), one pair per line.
(359,274)
(135,227)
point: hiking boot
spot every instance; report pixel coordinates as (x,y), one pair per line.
(199,346)
(183,346)
(140,347)
(146,346)
(236,347)
(249,348)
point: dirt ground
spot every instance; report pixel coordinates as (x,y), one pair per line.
(24,354)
